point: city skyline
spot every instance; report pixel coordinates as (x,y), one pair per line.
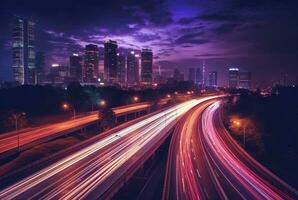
(182,34)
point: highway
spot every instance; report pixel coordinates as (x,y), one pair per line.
(205,162)
(9,141)
(92,170)
(187,174)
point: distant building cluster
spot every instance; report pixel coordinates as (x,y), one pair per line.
(239,79)
(107,65)
(198,76)
(127,68)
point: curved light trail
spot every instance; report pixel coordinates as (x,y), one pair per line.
(91,171)
(209,164)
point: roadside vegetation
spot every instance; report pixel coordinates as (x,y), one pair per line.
(37,102)
(271,128)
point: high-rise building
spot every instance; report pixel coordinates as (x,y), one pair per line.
(146,66)
(75,67)
(40,67)
(23,54)
(177,75)
(244,80)
(191,75)
(198,76)
(204,73)
(90,70)
(132,68)
(121,68)
(212,79)
(58,74)
(233,77)
(110,60)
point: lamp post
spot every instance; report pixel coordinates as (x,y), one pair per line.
(238,123)
(16,117)
(102,103)
(67,106)
(135,99)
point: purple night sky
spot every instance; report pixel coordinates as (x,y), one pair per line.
(259,36)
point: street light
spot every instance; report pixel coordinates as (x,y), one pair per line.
(102,103)
(168,96)
(238,123)
(17,116)
(135,98)
(67,106)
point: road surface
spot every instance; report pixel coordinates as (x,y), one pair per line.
(92,170)
(207,163)
(9,141)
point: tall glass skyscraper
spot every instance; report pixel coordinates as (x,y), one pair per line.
(132,68)
(23,53)
(121,68)
(146,66)
(212,79)
(90,71)
(233,77)
(110,60)
(76,67)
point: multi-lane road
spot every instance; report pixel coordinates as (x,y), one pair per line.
(205,162)
(93,169)
(33,136)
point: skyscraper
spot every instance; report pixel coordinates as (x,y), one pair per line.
(132,68)
(233,77)
(75,67)
(146,66)
(198,76)
(191,75)
(40,66)
(110,60)
(195,75)
(121,68)
(212,79)
(244,80)
(23,54)
(204,73)
(90,71)
(177,75)
(58,74)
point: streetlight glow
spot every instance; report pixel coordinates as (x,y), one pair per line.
(135,98)
(65,106)
(102,102)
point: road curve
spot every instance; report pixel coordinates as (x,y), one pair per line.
(207,163)
(244,174)
(92,170)
(187,174)
(32,136)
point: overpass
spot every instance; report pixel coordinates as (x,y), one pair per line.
(13,142)
(134,109)
(101,167)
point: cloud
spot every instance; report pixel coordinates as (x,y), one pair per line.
(225,28)
(221,17)
(193,38)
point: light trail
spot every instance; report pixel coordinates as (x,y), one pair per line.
(9,141)
(205,162)
(187,175)
(91,171)
(246,181)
